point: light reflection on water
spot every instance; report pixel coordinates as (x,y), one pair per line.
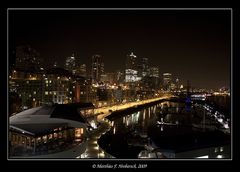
(130,133)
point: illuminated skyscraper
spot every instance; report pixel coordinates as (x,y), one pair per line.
(143,67)
(97,67)
(131,71)
(70,64)
(152,80)
(154,72)
(83,70)
(131,62)
(167,80)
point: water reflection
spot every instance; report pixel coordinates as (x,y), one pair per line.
(168,125)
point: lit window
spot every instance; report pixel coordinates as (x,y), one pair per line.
(55,135)
(73,86)
(50,136)
(30,95)
(70,92)
(27,82)
(50,81)
(58,77)
(221,149)
(77,132)
(54,93)
(45,139)
(46,92)
(50,92)
(46,81)
(34,99)
(34,92)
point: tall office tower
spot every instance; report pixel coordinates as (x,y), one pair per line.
(27,58)
(97,67)
(70,64)
(152,80)
(143,67)
(82,69)
(131,62)
(167,80)
(131,71)
(177,84)
(154,72)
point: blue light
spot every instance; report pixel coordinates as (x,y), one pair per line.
(188,100)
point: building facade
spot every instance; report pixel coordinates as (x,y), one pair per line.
(70,64)
(97,68)
(167,81)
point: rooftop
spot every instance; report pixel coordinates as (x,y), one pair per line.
(42,119)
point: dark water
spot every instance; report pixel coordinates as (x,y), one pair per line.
(222,103)
(177,128)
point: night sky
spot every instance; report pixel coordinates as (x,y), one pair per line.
(192,45)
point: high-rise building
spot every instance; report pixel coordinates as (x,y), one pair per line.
(152,80)
(97,67)
(27,58)
(70,64)
(131,62)
(167,80)
(131,71)
(143,67)
(82,70)
(119,76)
(154,72)
(177,84)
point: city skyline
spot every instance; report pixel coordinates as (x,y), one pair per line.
(192,45)
(116,84)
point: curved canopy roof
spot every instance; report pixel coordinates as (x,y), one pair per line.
(40,119)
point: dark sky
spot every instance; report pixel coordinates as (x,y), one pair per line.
(193,45)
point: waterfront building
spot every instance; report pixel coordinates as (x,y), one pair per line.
(48,129)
